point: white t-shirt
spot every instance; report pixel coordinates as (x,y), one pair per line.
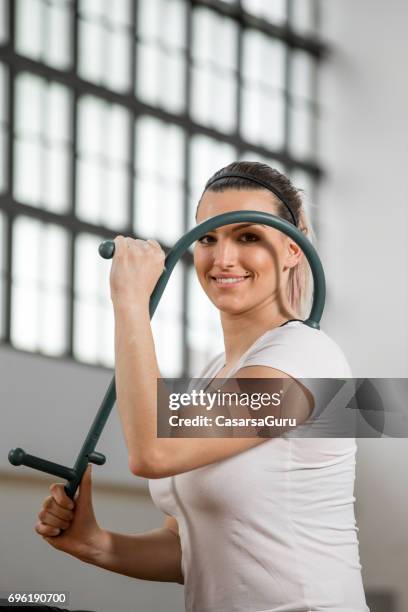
(272,529)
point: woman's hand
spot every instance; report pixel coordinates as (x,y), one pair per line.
(71,526)
(136,267)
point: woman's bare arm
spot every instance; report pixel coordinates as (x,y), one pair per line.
(154,555)
(137,373)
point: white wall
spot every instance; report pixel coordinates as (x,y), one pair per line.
(47,406)
(27,562)
(363,225)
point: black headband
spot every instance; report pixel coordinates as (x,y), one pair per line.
(248,177)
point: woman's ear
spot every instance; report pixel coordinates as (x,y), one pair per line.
(293,253)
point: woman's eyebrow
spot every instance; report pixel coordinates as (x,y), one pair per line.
(235,229)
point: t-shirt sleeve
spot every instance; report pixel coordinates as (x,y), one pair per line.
(299,352)
(277,353)
(310,357)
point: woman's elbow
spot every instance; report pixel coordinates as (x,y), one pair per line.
(147,465)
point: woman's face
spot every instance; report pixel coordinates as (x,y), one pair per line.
(242,266)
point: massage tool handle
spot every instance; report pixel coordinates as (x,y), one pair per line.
(17,456)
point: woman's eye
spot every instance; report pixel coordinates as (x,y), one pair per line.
(249,237)
(203,239)
(246,237)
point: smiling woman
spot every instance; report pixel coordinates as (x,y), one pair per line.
(252,523)
(264,524)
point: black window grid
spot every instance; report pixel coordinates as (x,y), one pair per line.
(16,63)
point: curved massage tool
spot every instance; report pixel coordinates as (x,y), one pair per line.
(87,453)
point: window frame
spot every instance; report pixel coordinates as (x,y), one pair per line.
(16,63)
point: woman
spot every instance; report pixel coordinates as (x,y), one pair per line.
(253,524)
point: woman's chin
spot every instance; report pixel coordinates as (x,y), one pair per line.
(230,306)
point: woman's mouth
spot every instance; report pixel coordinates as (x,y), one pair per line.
(228,281)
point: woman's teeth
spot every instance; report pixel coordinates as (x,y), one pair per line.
(230,281)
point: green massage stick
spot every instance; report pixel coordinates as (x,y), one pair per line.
(87,454)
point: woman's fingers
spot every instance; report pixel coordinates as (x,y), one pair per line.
(56,513)
(51,506)
(46,530)
(51,520)
(62,499)
(55,516)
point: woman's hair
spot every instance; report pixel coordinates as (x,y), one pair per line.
(300,283)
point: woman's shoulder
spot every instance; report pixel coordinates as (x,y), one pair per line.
(300,351)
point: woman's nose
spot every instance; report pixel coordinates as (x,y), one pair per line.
(225,253)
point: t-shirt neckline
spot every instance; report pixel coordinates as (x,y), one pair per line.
(251,347)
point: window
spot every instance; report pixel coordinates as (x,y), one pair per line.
(275,12)
(93,317)
(167,325)
(44,31)
(302,105)
(158,180)
(3,245)
(3,21)
(207,156)
(263,91)
(105,43)
(103,164)
(120,112)
(42,143)
(39,286)
(214,78)
(3,127)
(160,52)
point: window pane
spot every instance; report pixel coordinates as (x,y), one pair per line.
(3,246)
(103,181)
(56,184)
(303,75)
(3,93)
(275,12)
(3,127)
(214,99)
(207,156)
(118,12)
(261,51)
(29,104)
(44,31)
(93,316)
(305,15)
(204,332)
(59,33)
(91,45)
(302,142)
(4,35)
(160,71)
(39,286)
(152,16)
(42,143)
(263,118)
(167,325)
(160,79)
(159,178)
(263,90)
(30,24)
(117,75)
(105,43)
(27,172)
(214,84)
